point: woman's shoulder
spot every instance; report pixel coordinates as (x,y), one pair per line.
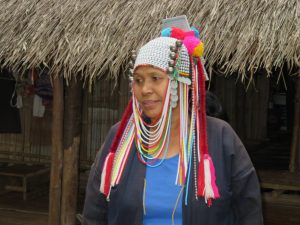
(218,128)
(114,127)
(217,123)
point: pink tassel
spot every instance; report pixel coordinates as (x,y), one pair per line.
(106,174)
(209,189)
(213,178)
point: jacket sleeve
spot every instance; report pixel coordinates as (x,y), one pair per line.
(245,186)
(95,204)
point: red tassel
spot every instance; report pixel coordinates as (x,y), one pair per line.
(201,82)
(201,183)
(207,187)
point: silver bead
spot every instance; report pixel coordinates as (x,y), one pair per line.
(173,48)
(172,55)
(133,54)
(171,62)
(178,44)
(130,64)
(170,70)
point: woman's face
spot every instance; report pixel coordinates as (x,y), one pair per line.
(149,87)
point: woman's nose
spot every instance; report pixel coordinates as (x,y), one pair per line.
(147,88)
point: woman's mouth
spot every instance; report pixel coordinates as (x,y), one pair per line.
(149,104)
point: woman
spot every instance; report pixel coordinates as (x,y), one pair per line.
(166,162)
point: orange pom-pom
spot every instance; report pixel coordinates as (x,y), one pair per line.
(199,50)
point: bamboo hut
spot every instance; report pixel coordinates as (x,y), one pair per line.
(83,41)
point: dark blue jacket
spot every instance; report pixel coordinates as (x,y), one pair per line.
(240,202)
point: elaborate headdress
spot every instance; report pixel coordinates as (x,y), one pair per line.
(178,53)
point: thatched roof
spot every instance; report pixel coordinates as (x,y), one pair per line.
(96,36)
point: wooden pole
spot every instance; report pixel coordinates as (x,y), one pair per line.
(72,132)
(295,147)
(57,151)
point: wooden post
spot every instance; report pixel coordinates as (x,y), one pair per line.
(72,132)
(57,151)
(295,147)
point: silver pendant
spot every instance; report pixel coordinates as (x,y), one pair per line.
(184,80)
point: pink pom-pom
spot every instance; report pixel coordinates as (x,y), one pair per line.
(191,43)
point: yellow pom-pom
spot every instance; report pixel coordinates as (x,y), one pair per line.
(198,51)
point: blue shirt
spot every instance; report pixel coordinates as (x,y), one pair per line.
(161,194)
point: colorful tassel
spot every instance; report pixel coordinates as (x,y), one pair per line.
(108,163)
(122,127)
(106,174)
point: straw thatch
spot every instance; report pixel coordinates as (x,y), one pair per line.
(96,36)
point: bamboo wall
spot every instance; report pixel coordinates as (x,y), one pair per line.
(33,144)
(101,108)
(246,106)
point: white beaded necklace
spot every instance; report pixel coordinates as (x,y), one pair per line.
(158,136)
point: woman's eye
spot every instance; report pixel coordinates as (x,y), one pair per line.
(156,78)
(137,80)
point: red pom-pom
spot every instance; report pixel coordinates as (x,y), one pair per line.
(177,33)
(190,33)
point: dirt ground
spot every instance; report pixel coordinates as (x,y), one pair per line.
(20,217)
(15,211)
(34,211)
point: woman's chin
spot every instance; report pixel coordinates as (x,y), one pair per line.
(152,116)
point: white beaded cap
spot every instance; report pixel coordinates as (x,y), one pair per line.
(157,53)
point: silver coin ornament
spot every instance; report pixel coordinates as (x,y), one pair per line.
(174,98)
(174,84)
(173,93)
(173,104)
